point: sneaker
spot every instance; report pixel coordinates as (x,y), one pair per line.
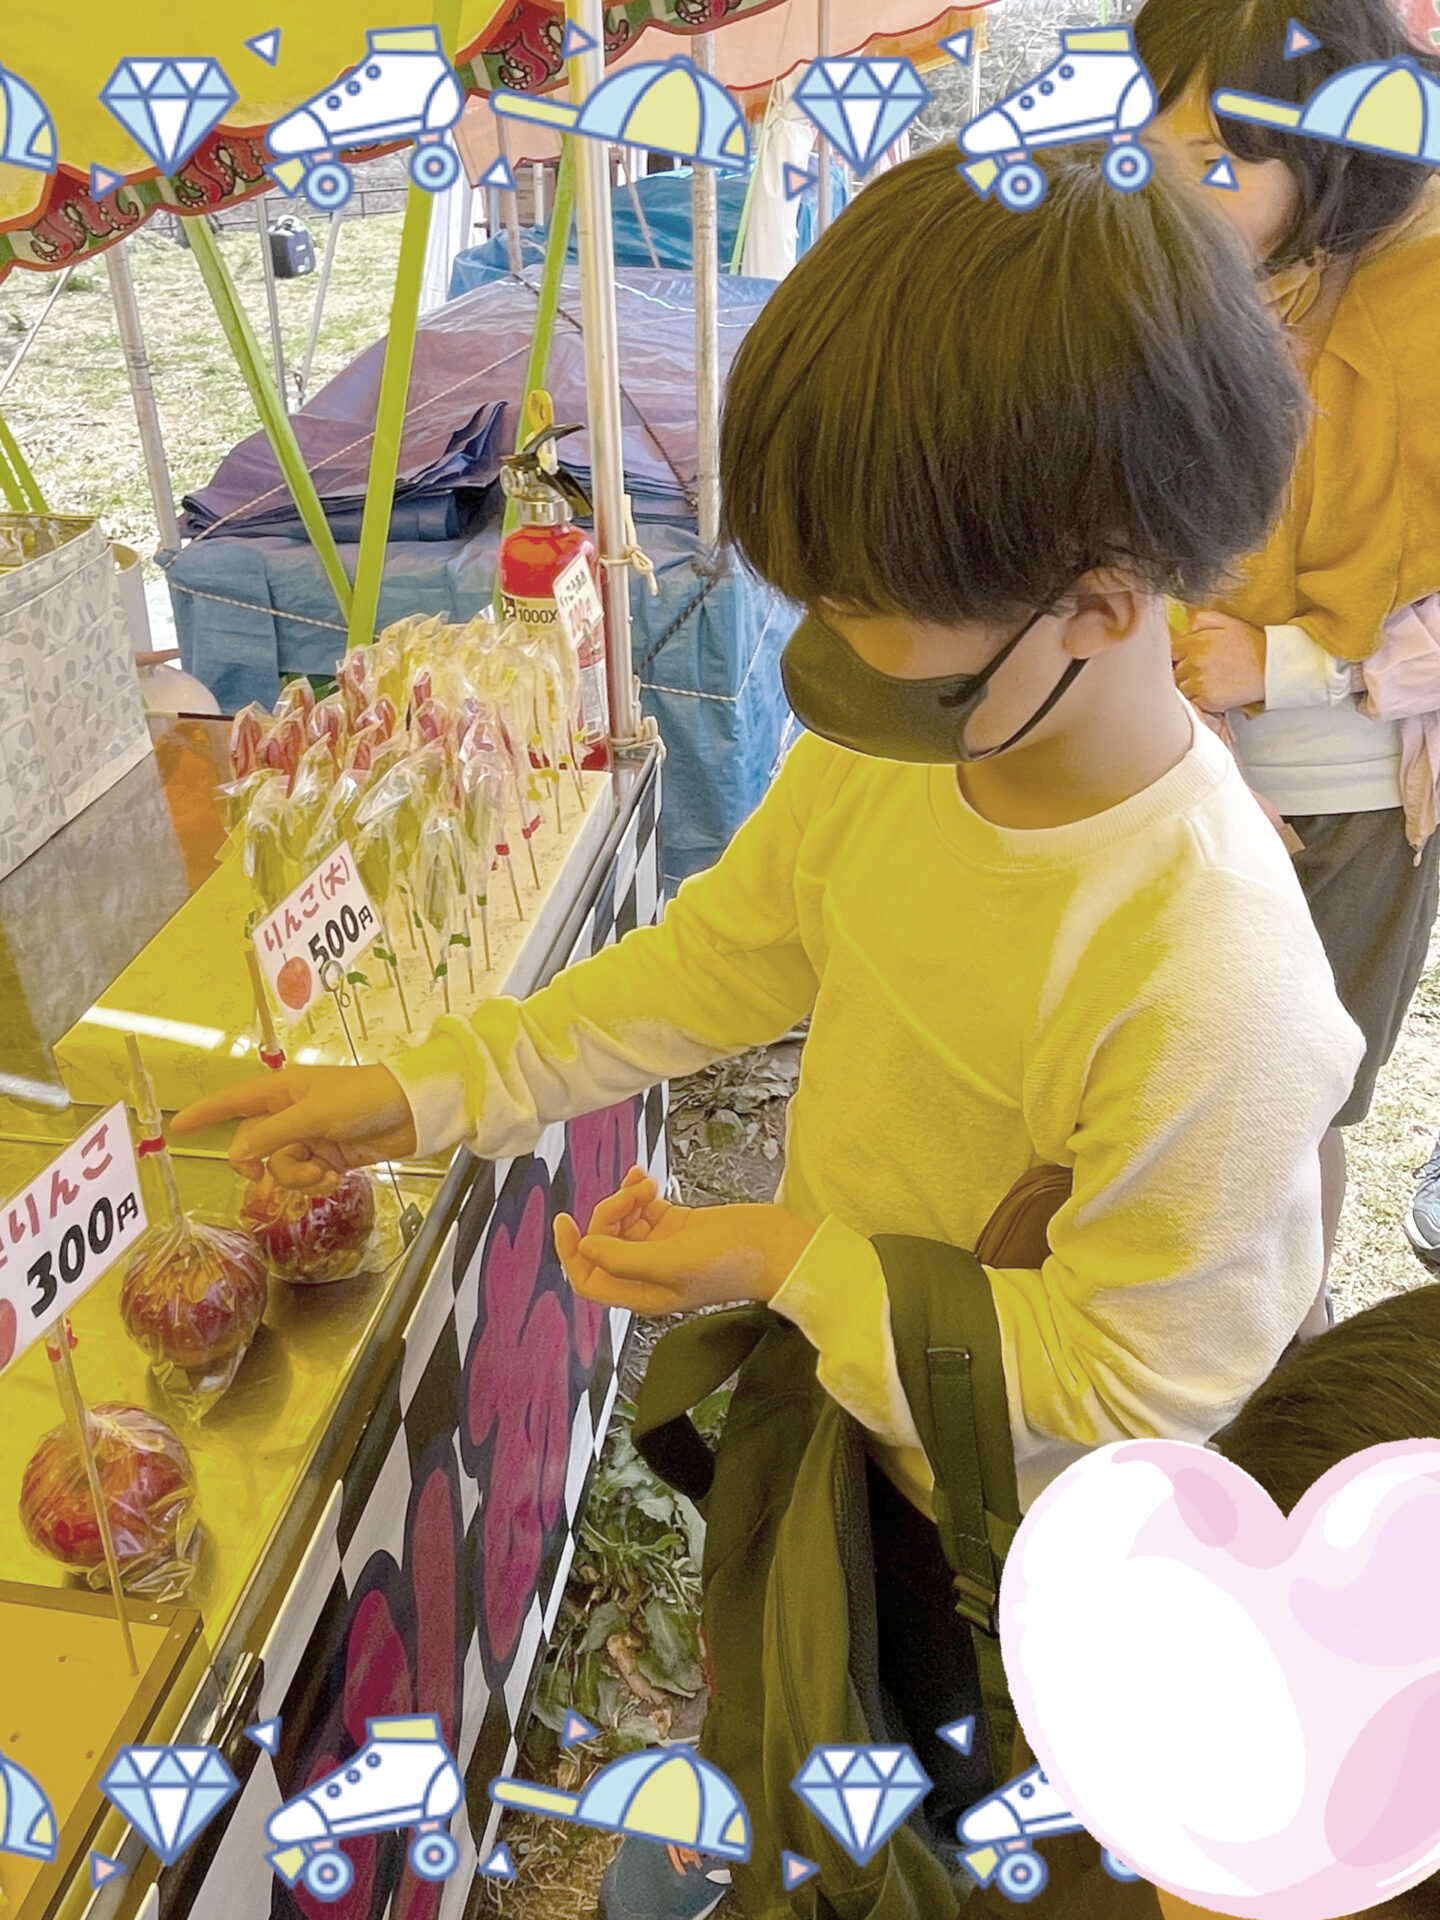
(405,88)
(1422,1222)
(641,1884)
(1097,87)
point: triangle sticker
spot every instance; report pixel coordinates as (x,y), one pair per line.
(576,41)
(960,46)
(499,174)
(862,1804)
(797,179)
(266,46)
(959,1734)
(266,1734)
(796,1870)
(1299,40)
(499,1866)
(576,1730)
(1222,175)
(103,1868)
(102,181)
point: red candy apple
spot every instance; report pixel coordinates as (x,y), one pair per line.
(194,1296)
(145,1479)
(311,1238)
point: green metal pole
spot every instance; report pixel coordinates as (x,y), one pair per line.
(15,476)
(395,383)
(273,416)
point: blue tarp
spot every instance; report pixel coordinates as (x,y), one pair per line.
(665,202)
(706,648)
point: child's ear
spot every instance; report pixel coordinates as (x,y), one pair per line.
(1108,609)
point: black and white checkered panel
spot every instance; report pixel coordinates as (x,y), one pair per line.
(435,1575)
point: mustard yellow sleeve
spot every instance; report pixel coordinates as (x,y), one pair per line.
(724,970)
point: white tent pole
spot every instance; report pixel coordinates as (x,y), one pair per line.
(595,243)
(332,239)
(537,188)
(975,80)
(510,202)
(147,416)
(272,301)
(705,229)
(822,148)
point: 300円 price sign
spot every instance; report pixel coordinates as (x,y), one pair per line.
(66,1229)
(326,923)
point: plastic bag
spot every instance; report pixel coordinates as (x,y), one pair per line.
(312,1239)
(192,1299)
(148,1486)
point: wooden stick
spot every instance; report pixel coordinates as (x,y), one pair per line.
(272,1054)
(147,1112)
(57,1345)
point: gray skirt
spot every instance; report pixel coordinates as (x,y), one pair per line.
(1374,910)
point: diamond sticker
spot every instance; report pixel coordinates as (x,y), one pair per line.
(169,1794)
(168,106)
(862,106)
(861,1794)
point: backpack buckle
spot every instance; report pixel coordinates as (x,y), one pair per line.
(978,1603)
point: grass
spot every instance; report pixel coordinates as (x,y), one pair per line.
(70,406)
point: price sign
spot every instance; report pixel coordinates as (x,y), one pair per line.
(66,1229)
(578,606)
(326,922)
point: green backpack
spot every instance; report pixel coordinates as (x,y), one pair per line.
(789,1591)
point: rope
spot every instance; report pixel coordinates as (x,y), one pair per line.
(252,606)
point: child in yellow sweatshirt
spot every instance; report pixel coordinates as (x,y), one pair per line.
(1348,244)
(1026,900)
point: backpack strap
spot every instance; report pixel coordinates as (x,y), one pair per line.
(947,1349)
(689,1363)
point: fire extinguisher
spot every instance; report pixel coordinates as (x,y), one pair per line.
(549,575)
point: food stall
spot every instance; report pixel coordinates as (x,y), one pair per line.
(379,1507)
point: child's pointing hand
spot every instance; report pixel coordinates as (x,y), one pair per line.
(644,1253)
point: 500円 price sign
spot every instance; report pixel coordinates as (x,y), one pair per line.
(63,1231)
(327,921)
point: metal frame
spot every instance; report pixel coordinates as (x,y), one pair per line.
(142,391)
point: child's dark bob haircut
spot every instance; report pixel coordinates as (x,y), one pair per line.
(950,411)
(1347,197)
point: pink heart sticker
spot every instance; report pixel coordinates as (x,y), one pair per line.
(1245,1708)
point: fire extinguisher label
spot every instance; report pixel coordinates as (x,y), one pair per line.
(581,613)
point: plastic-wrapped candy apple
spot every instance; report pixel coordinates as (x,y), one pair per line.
(193,1298)
(310,1239)
(148,1487)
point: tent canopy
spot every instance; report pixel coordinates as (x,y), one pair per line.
(47,221)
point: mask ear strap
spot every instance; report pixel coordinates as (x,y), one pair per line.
(1066,680)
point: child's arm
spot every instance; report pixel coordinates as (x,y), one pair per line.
(725,970)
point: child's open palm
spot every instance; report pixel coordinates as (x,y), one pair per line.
(645,1253)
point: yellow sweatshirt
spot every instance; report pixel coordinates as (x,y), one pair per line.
(1140,996)
(1360,534)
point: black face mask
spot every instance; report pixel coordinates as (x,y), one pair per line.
(834,693)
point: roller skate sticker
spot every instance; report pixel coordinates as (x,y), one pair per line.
(1379,106)
(1097,90)
(404,89)
(998,1835)
(665,106)
(27,1820)
(1243,1704)
(660,1793)
(168,106)
(27,133)
(403,1776)
(169,1794)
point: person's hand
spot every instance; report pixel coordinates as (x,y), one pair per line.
(1220,662)
(644,1253)
(311,1124)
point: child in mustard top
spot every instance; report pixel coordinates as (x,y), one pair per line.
(1024,896)
(1348,242)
